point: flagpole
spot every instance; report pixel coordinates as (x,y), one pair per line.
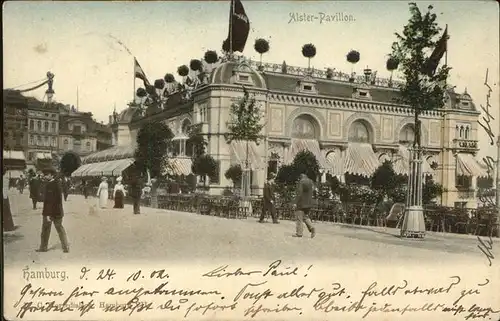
(133,77)
(231,13)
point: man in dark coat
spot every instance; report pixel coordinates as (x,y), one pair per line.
(136,192)
(303,203)
(65,187)
(34,185)
(85,187)
(269,200)
(7,221)
(52,212)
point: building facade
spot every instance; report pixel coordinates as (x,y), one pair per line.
(15,121)
(351,124)
(43,130)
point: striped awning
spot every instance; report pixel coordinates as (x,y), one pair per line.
(113,153)
(336,163)
(80,170)
(13,154)
(239,148)
(360,159)
(401,162)
(180,166)
(467,165)
(122,165)
(311,145)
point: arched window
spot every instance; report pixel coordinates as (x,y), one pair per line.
(467,132)
(39,125)
(46,126)
(407,134)
(32,125)
(66,144)
(359,132)
(53,127)
(32,140)
(305,127)
(461,131)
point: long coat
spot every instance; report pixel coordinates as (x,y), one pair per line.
(52,205)
(304,199)
(34,185)
(269,194)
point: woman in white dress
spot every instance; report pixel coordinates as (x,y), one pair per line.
(102,193)
(119,193)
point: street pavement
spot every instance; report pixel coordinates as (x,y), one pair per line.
(120,236)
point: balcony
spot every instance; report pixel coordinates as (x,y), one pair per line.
(465,144)
(465,193)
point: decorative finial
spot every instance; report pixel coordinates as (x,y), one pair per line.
(465,92)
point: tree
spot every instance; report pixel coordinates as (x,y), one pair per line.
(234,173)
(245,125)
(153,142)
(384,180)
(69,163)
(196,140)
(246,120)
(204,166)
(422,90)
(287,175)
(431,190)
(306,163)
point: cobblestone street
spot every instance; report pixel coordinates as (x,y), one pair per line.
(118,235)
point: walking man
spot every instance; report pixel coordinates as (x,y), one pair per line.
(136,192)
(269,200)
(34,186)
(65,186)
(303,203)
(52,212)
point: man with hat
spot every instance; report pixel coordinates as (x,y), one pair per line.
(269,200)
(52,211)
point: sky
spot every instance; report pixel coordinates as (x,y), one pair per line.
(77,42)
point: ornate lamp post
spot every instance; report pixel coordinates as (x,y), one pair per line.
(50,91)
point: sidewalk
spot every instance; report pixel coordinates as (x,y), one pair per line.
(119,235)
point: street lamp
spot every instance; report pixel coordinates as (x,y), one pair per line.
(50,91)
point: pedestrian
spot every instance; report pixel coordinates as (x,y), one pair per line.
(119,193)
(269,200)
(7,221)
(135,193)
(22,183)
(65,187)
(34,186)
(52,212)
(303,203)
(102,193)
(85,188)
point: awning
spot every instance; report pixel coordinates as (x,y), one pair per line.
(239,149)
(122,165)
(43,156)
(401,162)
(14,174)
(180,166)
(113,153)
(467,165)
(336,163)
(360,159)
(80,170)
(311,145)
(13,154)
(96,169)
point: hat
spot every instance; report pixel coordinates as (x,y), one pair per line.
(119,179)
(104,178)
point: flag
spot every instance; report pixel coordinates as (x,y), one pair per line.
(139,73)
(437,54)
(239,27)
